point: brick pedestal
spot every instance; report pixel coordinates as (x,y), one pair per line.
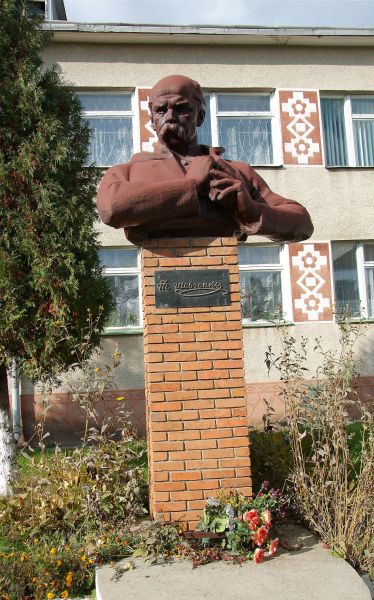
(196,404)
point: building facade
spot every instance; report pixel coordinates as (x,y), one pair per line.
(298,105)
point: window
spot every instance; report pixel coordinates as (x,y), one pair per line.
(121,266)
(36,7)
(348,129)
(353,267)
(263,283)
(243,124)
(110,117)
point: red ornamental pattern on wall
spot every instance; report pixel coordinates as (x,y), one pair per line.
(301,134)
(311,282)
(147,135)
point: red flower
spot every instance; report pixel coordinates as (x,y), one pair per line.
(273,546)
(260,536)
(258,556)
(266,517)
(253,518)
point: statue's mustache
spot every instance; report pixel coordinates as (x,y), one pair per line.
(175,128)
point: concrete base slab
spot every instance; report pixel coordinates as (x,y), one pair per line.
(306,574)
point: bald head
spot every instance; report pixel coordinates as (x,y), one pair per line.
(177,105)
(177,84)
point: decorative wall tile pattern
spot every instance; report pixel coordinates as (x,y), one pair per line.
(147,135)
(301,136)
(311,282)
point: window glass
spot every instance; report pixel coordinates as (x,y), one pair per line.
(111,140)
(334,131)
(120,266)
(261,295)
(114,258)
(369,252)
(369,277)
(125,292)
(348,131)
(246,139)
(204,133)
(363,106)
(363,131)
(258,255)
(243,103)
(105,102)
(347,295)
(260,272)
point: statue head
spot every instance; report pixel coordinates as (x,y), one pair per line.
(177,108)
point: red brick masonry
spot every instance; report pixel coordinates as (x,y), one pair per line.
(197,421)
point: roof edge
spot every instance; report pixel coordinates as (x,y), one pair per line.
(63,31)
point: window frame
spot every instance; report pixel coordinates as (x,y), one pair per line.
(284,268)
(361,265)
(87,114)
(349,118)
(111,271)
(273,114)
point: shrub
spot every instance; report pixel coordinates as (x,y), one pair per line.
(332,486)
(73,509)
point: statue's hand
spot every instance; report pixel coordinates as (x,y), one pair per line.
(230,192)
(199,170)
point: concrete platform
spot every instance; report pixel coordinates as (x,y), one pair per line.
(306,574)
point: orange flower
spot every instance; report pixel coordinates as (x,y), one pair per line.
(53,551)
(266,517)
(273,546)
(258,556)
(253,518)
(69,579)
(260,536)
(50,595)
(64,594)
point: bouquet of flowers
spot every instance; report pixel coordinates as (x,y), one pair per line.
(246,524)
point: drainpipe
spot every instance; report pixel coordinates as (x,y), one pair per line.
(16,400)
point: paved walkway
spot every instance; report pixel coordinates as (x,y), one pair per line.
(307,574)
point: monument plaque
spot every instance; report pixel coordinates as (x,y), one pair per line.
(188,288)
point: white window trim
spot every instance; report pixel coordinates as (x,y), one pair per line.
(115,113)
(284,268)
(348,123)
(108,271)
(361,265)
(273,113)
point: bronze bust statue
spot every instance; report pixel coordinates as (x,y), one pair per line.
(183,189)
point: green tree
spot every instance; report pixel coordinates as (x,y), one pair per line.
(49,271)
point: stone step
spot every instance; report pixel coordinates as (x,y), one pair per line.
(307,574)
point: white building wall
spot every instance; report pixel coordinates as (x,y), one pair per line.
(340,201)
